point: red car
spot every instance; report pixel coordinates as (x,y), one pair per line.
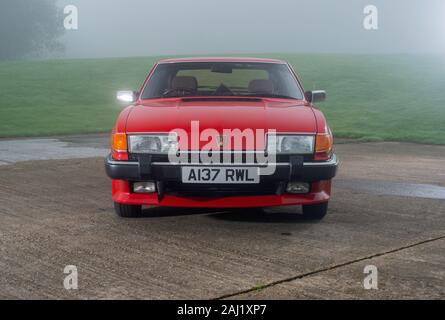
(221,133)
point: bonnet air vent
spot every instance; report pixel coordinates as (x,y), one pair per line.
(237,99)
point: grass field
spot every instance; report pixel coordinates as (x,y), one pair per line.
(379,97)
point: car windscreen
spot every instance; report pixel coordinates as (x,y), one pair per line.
(201,79)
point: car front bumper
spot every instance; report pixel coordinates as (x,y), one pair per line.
(123,173)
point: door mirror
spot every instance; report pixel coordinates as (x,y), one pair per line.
(126,96)
(315,96)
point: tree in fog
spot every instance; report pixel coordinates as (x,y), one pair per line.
(29,28)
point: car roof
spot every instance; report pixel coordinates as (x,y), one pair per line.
(223,59)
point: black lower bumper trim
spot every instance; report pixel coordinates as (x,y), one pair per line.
(137,171)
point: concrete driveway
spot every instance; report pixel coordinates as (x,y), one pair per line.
(388,210)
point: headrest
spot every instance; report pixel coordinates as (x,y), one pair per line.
(184,82)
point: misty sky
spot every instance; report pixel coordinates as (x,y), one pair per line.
(179,27)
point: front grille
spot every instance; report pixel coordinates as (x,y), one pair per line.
(242,159)
(222,190)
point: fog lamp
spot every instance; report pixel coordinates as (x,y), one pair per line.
(298,187)
(144,187)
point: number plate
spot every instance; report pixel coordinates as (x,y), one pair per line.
(221,175)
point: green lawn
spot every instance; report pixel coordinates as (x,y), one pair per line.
(378,97)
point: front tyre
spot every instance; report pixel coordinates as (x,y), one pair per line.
(315,211)
(127,211)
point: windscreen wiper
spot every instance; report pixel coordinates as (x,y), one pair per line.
(271,95)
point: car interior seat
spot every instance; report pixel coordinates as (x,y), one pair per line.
(185,83)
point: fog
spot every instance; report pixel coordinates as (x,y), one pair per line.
(109,28)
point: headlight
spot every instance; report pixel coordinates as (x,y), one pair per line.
(290,144)
(153,143)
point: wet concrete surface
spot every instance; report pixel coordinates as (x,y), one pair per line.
(19,150)
(400,275)
(55,213)
(416,190)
